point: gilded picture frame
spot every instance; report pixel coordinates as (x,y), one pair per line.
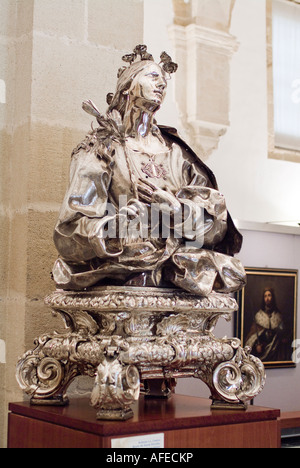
(267,317)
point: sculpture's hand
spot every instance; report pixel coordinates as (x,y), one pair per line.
(149,193)
(134,209)
(132,221)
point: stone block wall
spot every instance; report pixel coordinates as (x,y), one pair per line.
(204,47)
(53,55)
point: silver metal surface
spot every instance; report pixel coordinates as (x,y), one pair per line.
(142,215)
(127,173)
(125,336)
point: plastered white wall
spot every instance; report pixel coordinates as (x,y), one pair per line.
(256,188)
(265,250)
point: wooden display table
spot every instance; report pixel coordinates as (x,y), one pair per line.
(183,422)
(290,420)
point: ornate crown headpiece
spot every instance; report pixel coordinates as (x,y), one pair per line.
(108,126)
(141,50)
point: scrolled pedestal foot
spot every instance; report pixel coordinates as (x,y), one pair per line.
(116,388)
(45,379)
(58,400)
(237,381)
(114,414)
(159,388)
(225,405)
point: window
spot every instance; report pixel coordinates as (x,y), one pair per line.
(285,75)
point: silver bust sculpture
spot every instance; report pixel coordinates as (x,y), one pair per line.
(146,264)
(142,209)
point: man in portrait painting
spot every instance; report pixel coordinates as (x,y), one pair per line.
(268,336)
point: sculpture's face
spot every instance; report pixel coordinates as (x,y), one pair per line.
(149,86)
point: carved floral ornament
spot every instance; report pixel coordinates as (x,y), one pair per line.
(116,335)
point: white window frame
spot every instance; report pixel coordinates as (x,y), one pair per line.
(275,152)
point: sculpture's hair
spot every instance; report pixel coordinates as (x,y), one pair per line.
(118,101)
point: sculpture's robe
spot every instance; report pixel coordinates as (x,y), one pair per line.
(195,249)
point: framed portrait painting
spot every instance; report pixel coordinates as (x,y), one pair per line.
(266,321)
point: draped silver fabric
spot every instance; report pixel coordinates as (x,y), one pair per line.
(189,259)
(192,259)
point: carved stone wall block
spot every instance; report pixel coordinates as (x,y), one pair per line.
(203,46)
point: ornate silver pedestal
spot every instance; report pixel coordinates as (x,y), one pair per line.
(125,337)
